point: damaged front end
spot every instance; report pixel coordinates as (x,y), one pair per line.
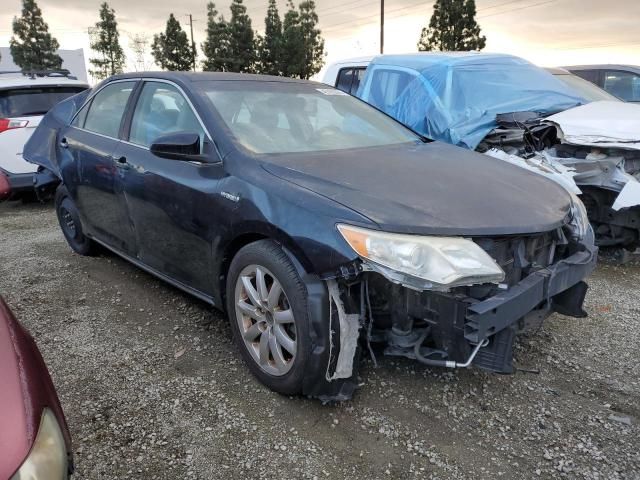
(603,170)
(458,303)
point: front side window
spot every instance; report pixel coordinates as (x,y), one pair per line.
(161,110)
(624,85)
(288,117)
(29,101)
(387,86)
(107,109)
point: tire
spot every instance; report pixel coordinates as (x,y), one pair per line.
(70,224)
(276,322)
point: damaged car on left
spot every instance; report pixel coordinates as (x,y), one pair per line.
(323,228)
(35,443)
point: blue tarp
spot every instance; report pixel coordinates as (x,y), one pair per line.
(455,97)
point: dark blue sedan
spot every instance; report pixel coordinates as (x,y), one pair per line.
(319,224)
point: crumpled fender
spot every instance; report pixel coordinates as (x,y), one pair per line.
(315,383)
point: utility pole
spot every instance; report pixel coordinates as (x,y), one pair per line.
(381,27)
(193,44)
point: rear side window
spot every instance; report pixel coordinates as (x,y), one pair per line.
(624,85)
(161,110)
(349,79)
(107,109)
(30,101)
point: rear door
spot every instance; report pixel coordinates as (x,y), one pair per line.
(94,178)
(21,109)
(172,202)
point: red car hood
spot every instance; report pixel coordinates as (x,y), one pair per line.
(26,389)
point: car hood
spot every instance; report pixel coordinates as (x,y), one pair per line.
(430,188)
(600,124)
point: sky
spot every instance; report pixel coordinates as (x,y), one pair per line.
(545,32)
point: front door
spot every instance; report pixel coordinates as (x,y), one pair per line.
(93,140)
(172,202)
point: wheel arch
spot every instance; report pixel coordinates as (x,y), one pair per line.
(247,236)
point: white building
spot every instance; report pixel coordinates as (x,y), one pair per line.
(72,60)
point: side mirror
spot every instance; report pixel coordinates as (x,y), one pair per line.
(177,146)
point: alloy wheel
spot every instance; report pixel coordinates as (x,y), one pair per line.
(265,320)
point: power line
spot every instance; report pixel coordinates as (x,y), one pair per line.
(340,8)
(498,5)
(517,9)
(358,21)
(347,33)
(604,45)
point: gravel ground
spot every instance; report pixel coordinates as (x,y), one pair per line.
(153,387)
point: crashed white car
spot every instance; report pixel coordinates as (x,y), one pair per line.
(508,108)
(24,99)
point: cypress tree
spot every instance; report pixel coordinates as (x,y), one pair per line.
(292,60)
(172,50)
(313,43)
(270,50)
(32,46)
(217,46)
(107,44)
(452,27)
(241,39)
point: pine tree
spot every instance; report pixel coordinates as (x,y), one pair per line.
(313,43)
(453,27)
(32,46)
(270,46)
(241,38)
(292,60)
(172,50)
(106,43)
(217,46)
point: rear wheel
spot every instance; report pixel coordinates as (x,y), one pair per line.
(266,301)
(70,224)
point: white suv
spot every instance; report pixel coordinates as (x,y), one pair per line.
(24,99)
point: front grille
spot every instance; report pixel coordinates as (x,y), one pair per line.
(518,256)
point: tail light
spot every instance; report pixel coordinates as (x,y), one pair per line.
(10,124)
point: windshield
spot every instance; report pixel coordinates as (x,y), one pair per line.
(279,117)
(29,101)
(588,90)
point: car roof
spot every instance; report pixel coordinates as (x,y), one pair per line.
(558,71)
(612,66)
(18,79)
(211,76)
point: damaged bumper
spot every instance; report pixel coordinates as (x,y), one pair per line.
(454,329)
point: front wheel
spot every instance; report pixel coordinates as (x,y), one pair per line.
(266,301)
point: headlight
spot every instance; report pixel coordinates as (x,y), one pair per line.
(579,223)
(440,262)
(47,459)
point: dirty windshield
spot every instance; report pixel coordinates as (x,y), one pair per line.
(286,117)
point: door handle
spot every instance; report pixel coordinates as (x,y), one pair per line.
(64,143)
(120,160)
